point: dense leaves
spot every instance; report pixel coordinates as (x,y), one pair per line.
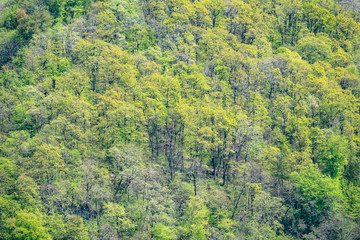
(179,119)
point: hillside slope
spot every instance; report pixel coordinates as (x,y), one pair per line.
(179,119)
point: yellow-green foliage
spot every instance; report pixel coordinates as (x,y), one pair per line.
(179,119)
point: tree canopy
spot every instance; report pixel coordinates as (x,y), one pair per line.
(179,119)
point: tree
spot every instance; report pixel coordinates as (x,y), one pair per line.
(162,232)
(46,164)
(76,81)
(318,194)
(115,215)
(26,192)
(127,166)
(28,25)
(216,9)
(333,156)
(314,49)
(8,209)
(27,226)
(195,219)
(8,173)
(75,228)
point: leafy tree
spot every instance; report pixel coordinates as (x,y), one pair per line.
(314,49)
(46,164)
(195,219)
(116,216)
(26,226)
(318,195)
(26,191)
(334,156)
(75,228)
(163,232)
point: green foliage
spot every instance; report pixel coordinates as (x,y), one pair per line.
(8,209)
(195,220)
(315,187)
(179,119)
(26,191)
(115,215)
(314,49)
(163,232)
(56,226)
(46,163)
(75,228)
(26,226)
(319,195)
(334,156)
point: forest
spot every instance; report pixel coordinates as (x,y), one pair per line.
(179,119)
